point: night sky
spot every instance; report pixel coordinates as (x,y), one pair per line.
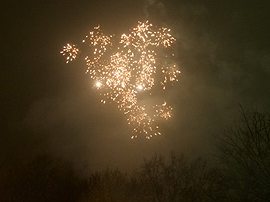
(223,52)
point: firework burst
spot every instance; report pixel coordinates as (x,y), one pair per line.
(128,68)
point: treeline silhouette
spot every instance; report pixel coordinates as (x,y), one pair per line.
(239,171)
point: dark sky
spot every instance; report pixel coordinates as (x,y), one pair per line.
(223,52)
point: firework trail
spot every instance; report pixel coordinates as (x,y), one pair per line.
(130,67)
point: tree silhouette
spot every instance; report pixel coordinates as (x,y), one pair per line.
(245,157)
(180,180)
(43,179)
(108,186)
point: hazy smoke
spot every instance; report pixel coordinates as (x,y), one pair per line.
(157,5)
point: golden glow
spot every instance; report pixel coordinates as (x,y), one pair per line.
(140,87)
(125,69)
(98,84)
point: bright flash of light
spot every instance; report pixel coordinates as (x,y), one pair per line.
(98,84)
(140,87)
(125,69)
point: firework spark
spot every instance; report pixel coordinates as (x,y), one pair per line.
(124,70)
(71,51)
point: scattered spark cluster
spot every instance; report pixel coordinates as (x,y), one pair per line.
(126,69)
(71,51)
(163,111)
